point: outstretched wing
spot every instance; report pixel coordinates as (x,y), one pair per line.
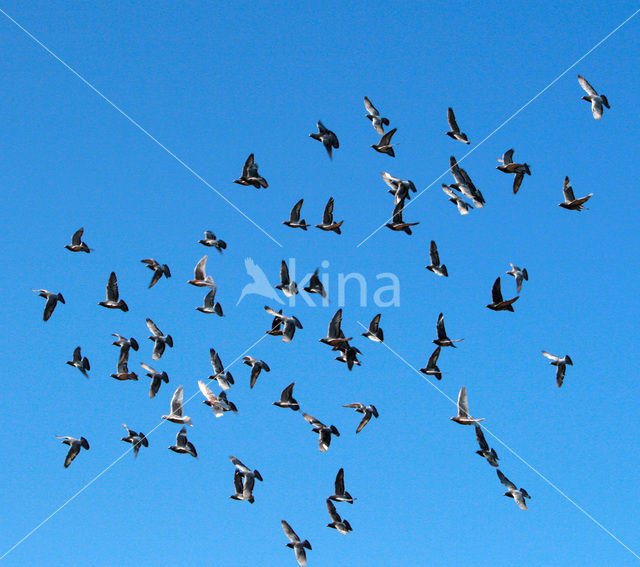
(586,86)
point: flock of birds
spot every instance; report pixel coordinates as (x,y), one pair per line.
(285,325)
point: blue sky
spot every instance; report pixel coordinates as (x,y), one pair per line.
(214,84)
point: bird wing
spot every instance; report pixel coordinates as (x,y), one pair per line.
(433,254)
(339,483)
(148,368)
(176,402)
(335,517)
(295,212)
(293,537)
(463,403)
(284,273)
(77,354)
(451,119)
(112,288)
(517,181)
(567,190)
(366,419)
(74,449)
(433,359)
(390,180)
(507,157)
(199,271)
(334,325)
(210,298)
(386,138)
(289,330)
(312,420)
(153,329)
(481,440)
(550,356)
(504,480)
(239,465)
(215,361)
(496,293)
(442,334)
(76,239)
(327,217)
(181,437)
(586,86)
(247,165)
(287,393)
(375,322)
(370,108)
(206,392)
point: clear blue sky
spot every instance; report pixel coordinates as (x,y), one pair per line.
(215,84)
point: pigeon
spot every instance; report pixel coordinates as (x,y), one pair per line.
(79,362)
(497,302)
(485,452)
(377,121)
(200,279)
(76,242)
(384,146)
(519,275)
(315,285)
(74,447)
(596,100)
(286,286)
(512,492)
(256,367)
(340,494)
(157,378)
(560,363)
(327,137)
(327,219)
(435,266)
(463,417)
(431,369)
(183,445)
(295,544)
(223,378)
(463,206)
(243,490)
(397,223)
(123,368)
(52,301)
(464,184)
(176,415)
(294,217)
(399,188)
(287,400)
(218,404)
(289,324)
(211,241)
(159,270)
(324,432)
(124,343)
(250,175)
(570,201)
(375,332)
(113,300)
(508,166)
(245,471)
(335,336)
(337,522)
(159,340)
(455,130)
(210,305)
(442,339)
(368,411)
(136,439)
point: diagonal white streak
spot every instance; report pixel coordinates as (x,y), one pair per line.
(111,465)
(512,451)
(139,127)
(525,105)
